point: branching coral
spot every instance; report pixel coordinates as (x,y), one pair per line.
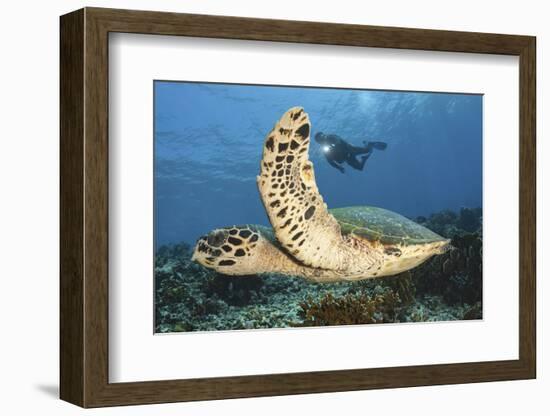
(236,291)
(403,285)
(350,309)
(455,275)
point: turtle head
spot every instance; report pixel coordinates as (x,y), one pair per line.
(232,250)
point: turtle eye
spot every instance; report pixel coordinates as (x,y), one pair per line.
(216,239)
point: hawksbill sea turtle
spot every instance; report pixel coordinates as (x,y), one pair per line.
(308,239)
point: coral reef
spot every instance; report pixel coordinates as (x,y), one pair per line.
(350,309)
(455,275)
(449,224)
(189,297)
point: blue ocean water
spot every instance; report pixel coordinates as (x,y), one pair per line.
(208,145)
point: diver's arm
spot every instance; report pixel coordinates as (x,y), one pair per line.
(334,164)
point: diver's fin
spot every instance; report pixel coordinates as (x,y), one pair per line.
(300,219)
(377,145)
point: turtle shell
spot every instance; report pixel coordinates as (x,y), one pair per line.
(387,227)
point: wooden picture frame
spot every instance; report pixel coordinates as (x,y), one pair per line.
(84,207)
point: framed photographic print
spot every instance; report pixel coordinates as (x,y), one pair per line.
(334,207)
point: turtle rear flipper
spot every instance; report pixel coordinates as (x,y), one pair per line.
(300,219)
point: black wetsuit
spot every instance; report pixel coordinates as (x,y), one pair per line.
(338,151)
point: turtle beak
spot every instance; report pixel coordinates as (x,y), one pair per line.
(198,246)
(194,256)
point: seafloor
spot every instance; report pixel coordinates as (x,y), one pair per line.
(448,287)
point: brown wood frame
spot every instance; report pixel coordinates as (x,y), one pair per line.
(84,207)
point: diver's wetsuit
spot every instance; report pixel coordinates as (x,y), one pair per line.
(338,151)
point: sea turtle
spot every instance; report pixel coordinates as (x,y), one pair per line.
(308,239)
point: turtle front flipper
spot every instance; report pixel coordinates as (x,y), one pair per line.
(300,219)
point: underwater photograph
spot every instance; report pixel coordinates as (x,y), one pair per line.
(294,206)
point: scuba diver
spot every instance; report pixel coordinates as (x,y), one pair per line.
(338,151)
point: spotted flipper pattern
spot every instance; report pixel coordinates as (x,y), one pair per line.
(300,219)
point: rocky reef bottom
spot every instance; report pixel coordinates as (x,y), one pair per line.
(189,297)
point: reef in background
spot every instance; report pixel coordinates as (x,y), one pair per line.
(189,297)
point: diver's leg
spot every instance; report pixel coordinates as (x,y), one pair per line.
(356,164)
(354,150)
